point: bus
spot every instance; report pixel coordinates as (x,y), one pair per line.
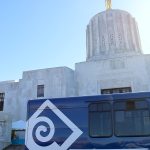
(115,121)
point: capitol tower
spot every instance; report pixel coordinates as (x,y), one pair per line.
(114,62)
(112,33)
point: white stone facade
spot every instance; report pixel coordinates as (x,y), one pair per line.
(114,60)
(5,129)
(127,71)
(58,82)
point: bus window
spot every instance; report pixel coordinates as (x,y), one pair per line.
(132,118)
(100,120)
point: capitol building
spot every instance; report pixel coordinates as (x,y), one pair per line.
(114,63)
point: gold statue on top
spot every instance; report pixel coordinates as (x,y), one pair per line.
(108,4)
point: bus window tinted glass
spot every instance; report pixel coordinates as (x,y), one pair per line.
(132,118)
(100,121)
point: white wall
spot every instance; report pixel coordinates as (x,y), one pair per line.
(10,88)
(58,82)
(5,129)
(129,71)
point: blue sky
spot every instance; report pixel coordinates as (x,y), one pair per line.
(38,34)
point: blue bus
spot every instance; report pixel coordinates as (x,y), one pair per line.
(117,121)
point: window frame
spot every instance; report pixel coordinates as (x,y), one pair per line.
(39,95)
(111,90)
(114,117)
(3,127)
(2,98)
(111,118)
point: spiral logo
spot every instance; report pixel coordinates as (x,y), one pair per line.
(43,130)
(40,130)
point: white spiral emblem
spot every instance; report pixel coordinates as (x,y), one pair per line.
(40,130)
(43,125)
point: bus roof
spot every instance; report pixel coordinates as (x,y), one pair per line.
(109,97)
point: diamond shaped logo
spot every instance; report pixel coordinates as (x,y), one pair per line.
(35,119)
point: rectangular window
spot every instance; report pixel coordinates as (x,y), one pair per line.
(2,127)
(40,90)
(132,118)
(2,96)
(100,119)
(116,90)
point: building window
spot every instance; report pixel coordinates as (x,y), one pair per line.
(2,126)
(2,96)
(116,90)
(40,90)
(100,119)
(132,118)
